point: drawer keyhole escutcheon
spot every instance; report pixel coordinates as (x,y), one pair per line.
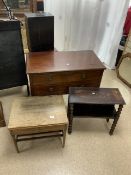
(50,78)
(83,76)
(51,89)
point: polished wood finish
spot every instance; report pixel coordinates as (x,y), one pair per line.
(40,116)
(54,72)
(94,102)
(2,120)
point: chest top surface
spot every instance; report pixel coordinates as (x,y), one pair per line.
(90,95)
(53,61)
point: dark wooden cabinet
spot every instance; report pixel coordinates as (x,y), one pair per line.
(53,73)
(40,31)
(94,102)
(12,61)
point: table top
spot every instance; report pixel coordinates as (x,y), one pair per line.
(53,61)
(30,112)
(105,96)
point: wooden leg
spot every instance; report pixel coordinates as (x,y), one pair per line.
(70,117)
(107,119)
(28,90)
(2,120)
(116,119)
(64,135)
(15,143)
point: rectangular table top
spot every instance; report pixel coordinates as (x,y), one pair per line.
(53,61)
(87,95)
(37,111)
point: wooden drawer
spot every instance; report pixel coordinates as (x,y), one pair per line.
(65,77)
(40,89)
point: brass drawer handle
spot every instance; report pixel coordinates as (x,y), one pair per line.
(83,76)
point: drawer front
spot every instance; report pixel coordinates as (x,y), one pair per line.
(59,83)
(39,90)
(66,77)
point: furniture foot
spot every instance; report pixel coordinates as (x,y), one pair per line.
(116,119)
(2,120)
(15,143)
(64,136)
(28,90)
(107,120)
(70,117)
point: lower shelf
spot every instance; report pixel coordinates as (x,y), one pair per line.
(100,111)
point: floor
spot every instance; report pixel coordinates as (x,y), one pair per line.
(89,150)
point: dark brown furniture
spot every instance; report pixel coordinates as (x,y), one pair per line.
(40,31)
(94,102)
(2,121)
(53,72)
(12,61)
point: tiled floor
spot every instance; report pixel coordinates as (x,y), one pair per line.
(89,150)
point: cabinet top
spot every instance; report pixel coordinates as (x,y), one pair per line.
(38,14)
(53,61)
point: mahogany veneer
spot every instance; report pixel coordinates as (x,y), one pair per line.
(52,73)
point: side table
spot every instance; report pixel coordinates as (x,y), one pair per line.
(36,118)
(94,102)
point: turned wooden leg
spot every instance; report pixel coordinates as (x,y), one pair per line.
(15,143)
(70,117)
(64,135)
(116,119)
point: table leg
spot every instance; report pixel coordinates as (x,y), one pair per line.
(107,119)
(15,143)
(2,120)
(28,90)
(70,117)
(116,119)
(64,135)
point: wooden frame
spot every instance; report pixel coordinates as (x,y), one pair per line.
(19,12)
(118,66)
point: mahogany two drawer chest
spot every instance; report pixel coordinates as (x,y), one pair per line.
(52,72)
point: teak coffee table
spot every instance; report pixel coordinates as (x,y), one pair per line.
(94,102)
(39,116)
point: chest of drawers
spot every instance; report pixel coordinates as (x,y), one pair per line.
(52,73)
